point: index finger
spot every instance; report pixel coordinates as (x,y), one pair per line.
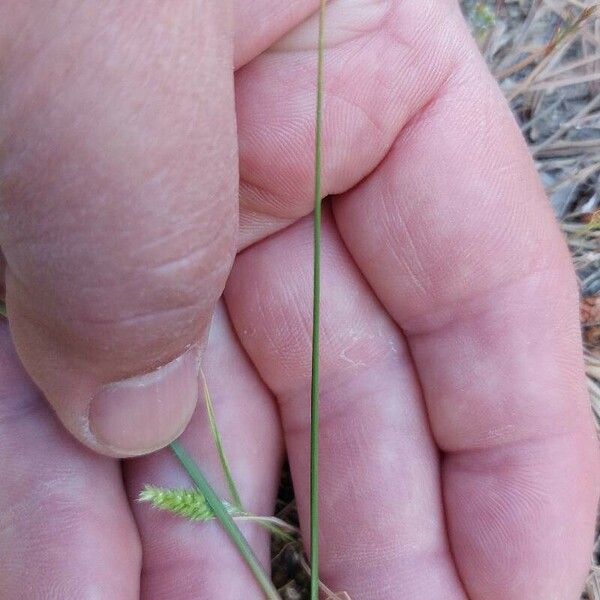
(456,238)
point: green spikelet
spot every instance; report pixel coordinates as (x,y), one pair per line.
(190,504)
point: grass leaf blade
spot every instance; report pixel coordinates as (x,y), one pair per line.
(233,491)
(226,520)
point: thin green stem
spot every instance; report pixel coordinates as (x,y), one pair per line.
(233,491)
(314,390)
(226,521)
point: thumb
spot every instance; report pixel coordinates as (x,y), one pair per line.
(118,206)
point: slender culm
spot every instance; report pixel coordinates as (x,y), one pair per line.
(314,391)
(223,516)
(214,430)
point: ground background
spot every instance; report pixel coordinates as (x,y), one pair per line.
(546,56)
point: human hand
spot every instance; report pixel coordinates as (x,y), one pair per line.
(458,458)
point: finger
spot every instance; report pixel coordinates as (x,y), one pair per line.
(455,236)
(65,527)
(119,176)
(382,532)
(384,61)
(196,560)
(260,24)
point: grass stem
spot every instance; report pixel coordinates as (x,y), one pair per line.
(314,391)
(223,516)
(212,421)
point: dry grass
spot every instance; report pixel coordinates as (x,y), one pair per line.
(546,56)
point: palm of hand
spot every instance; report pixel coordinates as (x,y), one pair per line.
(455,439)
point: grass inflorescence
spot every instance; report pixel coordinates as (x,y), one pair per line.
(188,503)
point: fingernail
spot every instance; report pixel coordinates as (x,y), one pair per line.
(142,414)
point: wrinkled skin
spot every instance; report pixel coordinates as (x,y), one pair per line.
(458,454)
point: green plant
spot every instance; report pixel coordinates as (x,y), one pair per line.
(314,389)
(192,505)
(221,513)
(203,504)
(210,411)
(187,503)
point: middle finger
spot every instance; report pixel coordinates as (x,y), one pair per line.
(383,525)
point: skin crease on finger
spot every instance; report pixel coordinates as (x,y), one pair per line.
(118,203)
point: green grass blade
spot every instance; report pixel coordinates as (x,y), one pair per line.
(233,491)
(2,309)
(226,520)
(314,390)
